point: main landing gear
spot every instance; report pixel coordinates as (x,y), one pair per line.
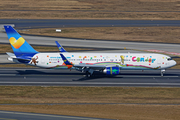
(162,71)
(89,73)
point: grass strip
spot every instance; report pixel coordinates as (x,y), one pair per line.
(94,9)
(34,94)
(7,48)
(140,34)
(122,112)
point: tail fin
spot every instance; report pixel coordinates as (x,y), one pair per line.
(18,43)
(61,49)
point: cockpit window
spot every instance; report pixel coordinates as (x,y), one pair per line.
(169,59)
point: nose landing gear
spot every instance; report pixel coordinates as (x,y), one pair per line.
(162,71)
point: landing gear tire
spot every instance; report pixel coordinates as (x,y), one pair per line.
(88,74)
(162,72)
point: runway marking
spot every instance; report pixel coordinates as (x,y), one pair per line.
(45,115)
(144,76)
(8,74)
(94,83)
(128,76)
(7,119)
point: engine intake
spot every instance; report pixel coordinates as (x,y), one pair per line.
(111,71)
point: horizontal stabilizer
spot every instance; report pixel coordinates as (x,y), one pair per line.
(12,55)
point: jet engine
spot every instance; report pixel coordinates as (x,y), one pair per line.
(111,70)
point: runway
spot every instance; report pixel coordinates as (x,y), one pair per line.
(44,77)
(38,40)
(50,23)
(12,115)
(41,77)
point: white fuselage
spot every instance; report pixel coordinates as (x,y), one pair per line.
(134,61)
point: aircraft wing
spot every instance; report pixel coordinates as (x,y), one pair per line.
(86,65)
(81,65)
(95,67)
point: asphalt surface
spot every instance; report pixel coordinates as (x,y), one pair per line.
(37,40)
(9,115)
(50,23)
(45,77)
(41,77)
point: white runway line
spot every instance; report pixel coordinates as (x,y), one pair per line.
(93,83)
(45,115)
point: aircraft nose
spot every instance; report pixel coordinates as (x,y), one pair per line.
(173,62)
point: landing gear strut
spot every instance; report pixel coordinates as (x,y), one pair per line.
(89,73)
(162,71)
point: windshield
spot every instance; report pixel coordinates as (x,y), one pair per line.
(169,59)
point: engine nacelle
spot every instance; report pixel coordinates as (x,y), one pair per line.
(111,71)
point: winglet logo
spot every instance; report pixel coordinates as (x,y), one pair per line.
(16,43)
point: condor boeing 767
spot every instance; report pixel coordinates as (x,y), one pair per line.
(108,63)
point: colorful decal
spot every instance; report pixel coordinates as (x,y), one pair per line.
(61,67)
(112,70)
(131,66)
(84,57)
(79,56)
(68,66)
(16,43)
(33,60)
(139,59)
(122,59)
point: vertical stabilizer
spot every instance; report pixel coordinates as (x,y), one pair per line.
(18,43)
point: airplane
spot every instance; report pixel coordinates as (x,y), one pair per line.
(107,63)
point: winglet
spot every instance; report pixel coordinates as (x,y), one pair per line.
(65,60)
(61,49)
